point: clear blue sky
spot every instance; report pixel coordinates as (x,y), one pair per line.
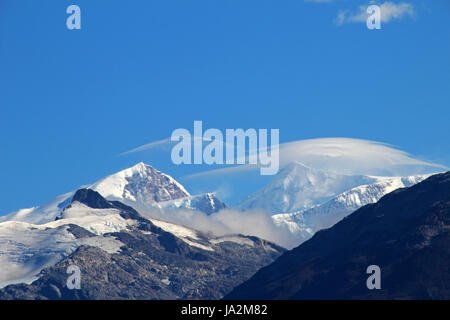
(71,101)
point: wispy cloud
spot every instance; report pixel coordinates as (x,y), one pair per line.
(147,146)
(168,142)
(225,171)
(389,11)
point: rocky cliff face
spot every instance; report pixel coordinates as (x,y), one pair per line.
(406,233)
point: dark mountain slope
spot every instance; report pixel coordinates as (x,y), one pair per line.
(151,264)
(406,233)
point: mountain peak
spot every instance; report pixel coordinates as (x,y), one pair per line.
(140,185)
(141,166)
(406,233)
(298,187)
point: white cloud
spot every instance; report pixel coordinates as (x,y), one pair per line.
(147,146)
(164,143)
(227,222)
(345,156)
(353,156)
(389,11)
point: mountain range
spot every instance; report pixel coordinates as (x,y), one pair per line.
(140,186)
(299,199)
(183,246)
(305,200)
(101,217)
(123,255)
(406,234)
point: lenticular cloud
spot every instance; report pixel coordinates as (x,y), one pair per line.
(354,156)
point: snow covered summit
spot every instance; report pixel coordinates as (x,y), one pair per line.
(299,187)
(140,186)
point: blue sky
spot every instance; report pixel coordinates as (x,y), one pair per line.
(71,101)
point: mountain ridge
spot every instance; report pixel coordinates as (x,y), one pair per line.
(140,186)
(306,223)
(406,233)
(114,246)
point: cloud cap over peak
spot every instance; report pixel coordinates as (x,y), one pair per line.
(345,156)
(354,156)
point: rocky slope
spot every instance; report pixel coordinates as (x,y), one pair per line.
(406,233)
(123,255)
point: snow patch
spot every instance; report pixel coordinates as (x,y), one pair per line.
(187,235)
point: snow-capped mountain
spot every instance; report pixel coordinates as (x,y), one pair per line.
(140,186)
(181,261)
(40,214)
(27,248)
(406,233)
(298,187)
(102,235)
(305,223)
(306,200)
